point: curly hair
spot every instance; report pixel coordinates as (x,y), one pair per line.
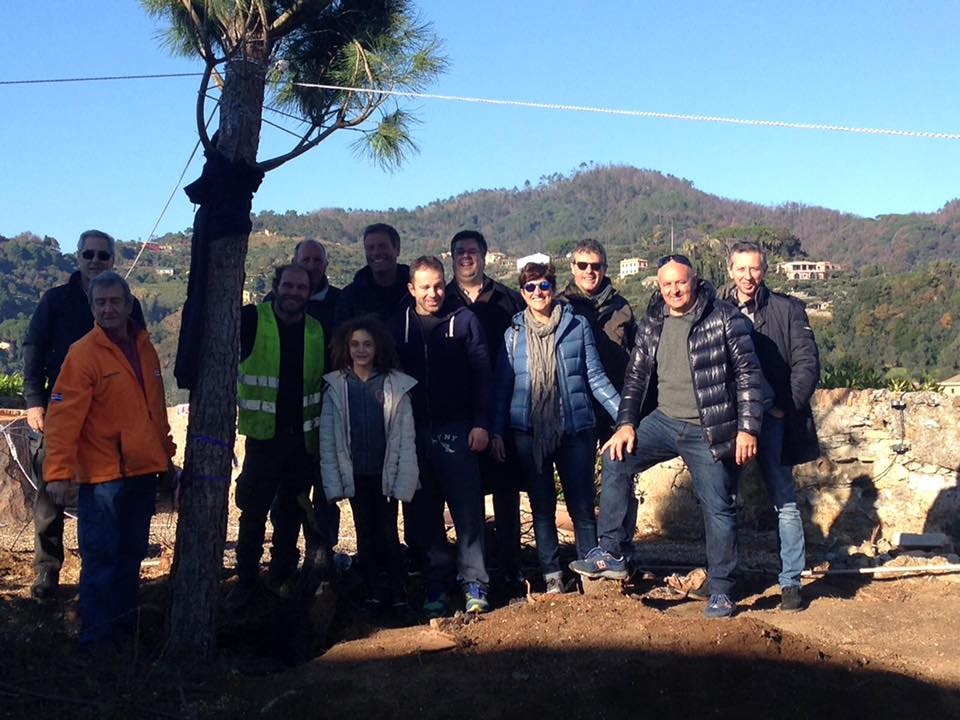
(385,350)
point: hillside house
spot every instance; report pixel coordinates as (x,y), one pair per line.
(808,269)
(632,266)
(951,386)
(535,258)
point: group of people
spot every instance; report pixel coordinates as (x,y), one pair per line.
(403,390)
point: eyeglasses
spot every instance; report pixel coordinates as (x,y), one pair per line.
(466,251)
(681,259)
(596,267)
(544,285)
(101,255)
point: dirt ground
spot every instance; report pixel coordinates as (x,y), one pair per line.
(861,649)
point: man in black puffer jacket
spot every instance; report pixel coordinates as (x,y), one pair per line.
(693,389)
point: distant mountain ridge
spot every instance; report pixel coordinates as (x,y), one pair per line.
(632,210)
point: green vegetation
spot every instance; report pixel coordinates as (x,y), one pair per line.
(11,385)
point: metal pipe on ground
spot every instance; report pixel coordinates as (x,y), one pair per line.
(884,570)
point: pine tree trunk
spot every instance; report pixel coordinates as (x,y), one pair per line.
(202,525)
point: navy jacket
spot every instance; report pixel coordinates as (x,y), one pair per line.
(62,317)
(451,366)
(364,297)
(790,361)
(579,374)
(494,307)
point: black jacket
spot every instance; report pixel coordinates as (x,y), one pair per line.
(790,361)
(364,297)
(451,366)
(727,381)
(494,307)
(62,317)
(614,327)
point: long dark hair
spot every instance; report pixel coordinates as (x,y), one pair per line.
(385,352)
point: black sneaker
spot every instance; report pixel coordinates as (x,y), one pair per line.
(791,599)
(44,588)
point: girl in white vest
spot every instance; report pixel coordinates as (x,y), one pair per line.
(368,451)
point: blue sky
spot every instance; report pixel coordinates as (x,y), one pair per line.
(108,154)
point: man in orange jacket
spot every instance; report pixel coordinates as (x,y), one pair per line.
(106,428)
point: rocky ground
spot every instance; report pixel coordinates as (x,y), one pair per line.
(881,648)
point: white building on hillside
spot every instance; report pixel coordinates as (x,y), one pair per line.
(632,266)
(808,269)
(951,386)
(535,258)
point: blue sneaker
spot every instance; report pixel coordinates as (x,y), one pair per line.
(720,606)
(436,605)
(476,597)
(600,564)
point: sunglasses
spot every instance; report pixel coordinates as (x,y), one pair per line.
(596,267)
(101,255)
(681,259)
(544,285)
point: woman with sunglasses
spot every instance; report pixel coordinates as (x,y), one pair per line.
(547,371)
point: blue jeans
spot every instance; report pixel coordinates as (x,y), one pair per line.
(780,488)
(574,460)
(113,527)
(449,473)
(661,438)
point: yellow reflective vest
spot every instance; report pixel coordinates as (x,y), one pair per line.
(259,378)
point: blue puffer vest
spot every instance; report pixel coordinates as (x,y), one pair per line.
(579,373)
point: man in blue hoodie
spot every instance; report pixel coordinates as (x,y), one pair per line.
(445,350)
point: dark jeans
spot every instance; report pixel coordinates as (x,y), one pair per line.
(449,473)
(324,527)
(604,432)
(502,480)
(661,438)
(47,515)
(574,460)
(378,545)
(274,473)
(113,526)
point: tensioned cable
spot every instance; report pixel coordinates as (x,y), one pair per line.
(50,81)
(545,106)
(645,113)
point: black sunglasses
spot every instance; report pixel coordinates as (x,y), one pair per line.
(102,255)
(596,267)
(544,285)
(681,259)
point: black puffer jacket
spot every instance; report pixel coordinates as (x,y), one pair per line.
(727,381)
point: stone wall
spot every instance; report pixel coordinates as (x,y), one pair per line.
(891,464)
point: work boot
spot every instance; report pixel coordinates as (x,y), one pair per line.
(790,598)
(45,586)
(240,595)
